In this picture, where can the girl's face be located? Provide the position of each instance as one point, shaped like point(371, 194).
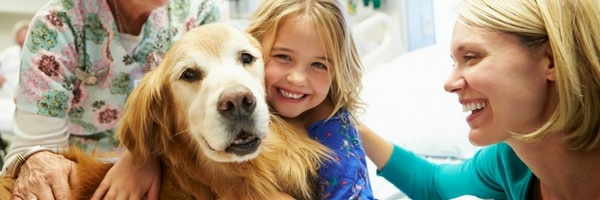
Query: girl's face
point(296, 73)
point(504, 86)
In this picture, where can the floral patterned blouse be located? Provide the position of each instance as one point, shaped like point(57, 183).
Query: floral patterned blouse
point(74, 66)
point(347, 176)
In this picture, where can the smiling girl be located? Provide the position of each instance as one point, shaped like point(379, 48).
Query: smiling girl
point(313, 75)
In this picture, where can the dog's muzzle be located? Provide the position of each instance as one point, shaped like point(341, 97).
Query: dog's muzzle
point(237, 104)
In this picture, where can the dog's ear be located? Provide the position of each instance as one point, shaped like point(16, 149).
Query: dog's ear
point(143, 119)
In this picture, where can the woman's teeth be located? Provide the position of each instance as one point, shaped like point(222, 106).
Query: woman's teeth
point(473, 106)
point(290, 95)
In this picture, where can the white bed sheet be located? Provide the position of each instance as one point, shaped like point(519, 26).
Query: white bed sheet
point(407, 104)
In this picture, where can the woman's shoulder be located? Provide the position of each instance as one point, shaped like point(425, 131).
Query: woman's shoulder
point(500, 159)
point(500, 153)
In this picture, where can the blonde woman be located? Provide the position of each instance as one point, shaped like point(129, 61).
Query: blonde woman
point(529, 73)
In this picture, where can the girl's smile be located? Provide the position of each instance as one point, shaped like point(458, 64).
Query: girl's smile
point(297, 69)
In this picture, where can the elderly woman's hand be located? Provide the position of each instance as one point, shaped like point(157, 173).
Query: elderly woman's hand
point(45, 175)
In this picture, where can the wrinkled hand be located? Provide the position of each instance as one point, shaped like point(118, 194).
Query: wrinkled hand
point(127, 181)
point(44, 175)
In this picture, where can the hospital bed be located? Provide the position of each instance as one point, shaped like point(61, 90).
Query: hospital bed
point(407, 103)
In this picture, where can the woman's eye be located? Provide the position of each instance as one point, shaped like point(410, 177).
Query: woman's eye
point(247, 58)
point(469, 57)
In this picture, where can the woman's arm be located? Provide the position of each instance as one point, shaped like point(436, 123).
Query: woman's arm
point(378, 149)
point(32, 129)
point(421, 179)
point(44, 174)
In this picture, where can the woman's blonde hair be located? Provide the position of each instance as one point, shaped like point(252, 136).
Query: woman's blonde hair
point(571, 28)
point(330, 23)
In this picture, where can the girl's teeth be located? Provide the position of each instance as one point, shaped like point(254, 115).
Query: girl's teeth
point(290, 95)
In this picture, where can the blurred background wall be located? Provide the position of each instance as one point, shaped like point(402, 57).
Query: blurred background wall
point(12, 11)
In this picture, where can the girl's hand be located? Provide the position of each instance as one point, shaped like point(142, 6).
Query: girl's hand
point(127, 181)
point(45, 175)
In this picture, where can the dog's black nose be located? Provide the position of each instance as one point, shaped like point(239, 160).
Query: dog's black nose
point(236, 102)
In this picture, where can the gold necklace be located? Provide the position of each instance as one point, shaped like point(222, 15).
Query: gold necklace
point(119, 21)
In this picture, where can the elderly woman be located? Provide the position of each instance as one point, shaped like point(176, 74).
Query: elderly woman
point(80, 61)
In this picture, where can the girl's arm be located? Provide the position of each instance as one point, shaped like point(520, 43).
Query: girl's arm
point(127, 181)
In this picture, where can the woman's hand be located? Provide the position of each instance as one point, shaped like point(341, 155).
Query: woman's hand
point(45, 175)
point(127, 181)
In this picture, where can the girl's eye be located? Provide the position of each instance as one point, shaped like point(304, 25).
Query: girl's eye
point(319, 65)
point(281, 56)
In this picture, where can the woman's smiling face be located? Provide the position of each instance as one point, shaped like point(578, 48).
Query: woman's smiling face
point(507, 87)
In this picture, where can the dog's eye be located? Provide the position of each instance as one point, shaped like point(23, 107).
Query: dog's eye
point(191, 75)
point(247, 58)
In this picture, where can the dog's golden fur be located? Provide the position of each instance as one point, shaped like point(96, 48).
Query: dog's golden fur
point(159, 122)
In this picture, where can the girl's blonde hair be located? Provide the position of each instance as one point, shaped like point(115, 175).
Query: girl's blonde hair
point(571, 28)
point(328, 19)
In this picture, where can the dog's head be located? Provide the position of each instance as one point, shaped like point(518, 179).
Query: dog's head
point(210, 86)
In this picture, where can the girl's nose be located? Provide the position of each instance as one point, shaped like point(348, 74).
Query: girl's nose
point(455, 82)
point(297, 76)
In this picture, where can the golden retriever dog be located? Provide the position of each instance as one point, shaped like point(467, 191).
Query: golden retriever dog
point(203, 114)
